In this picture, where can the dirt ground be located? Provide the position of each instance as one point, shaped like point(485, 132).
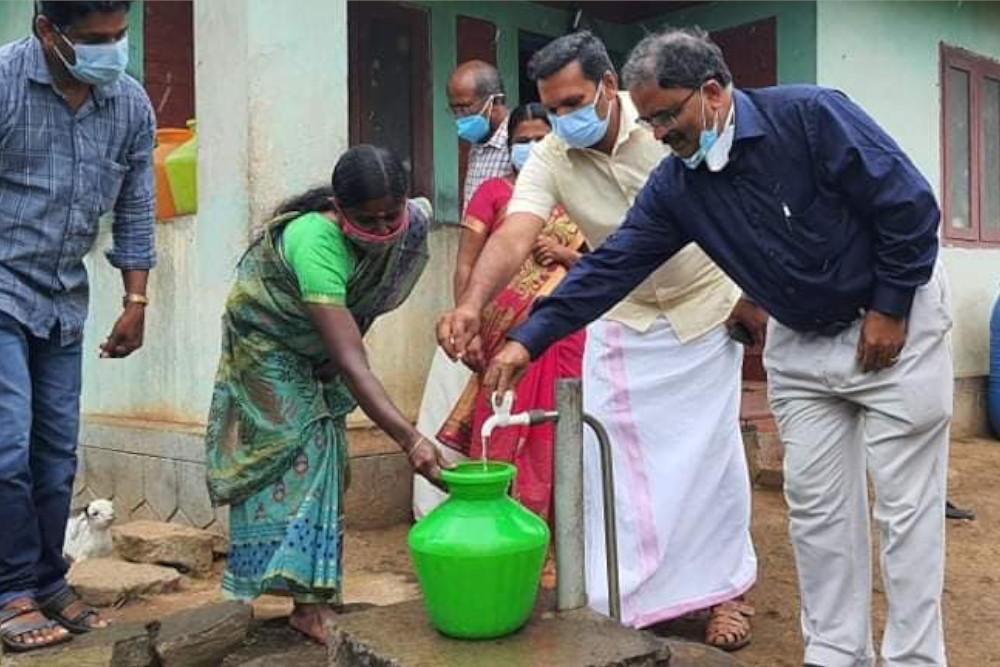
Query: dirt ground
point(378, 571)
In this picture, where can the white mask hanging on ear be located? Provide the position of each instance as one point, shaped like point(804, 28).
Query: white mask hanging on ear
point(717, 156)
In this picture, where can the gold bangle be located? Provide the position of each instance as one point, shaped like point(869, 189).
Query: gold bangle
point(140, 299)
point(409, 453)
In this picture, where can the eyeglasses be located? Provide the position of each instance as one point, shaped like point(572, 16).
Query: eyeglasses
point(667, 117)
point(477, 107)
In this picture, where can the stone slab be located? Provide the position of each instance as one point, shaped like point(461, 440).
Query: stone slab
point(161, 543)
point(765, 456)
point(202, 637)
point(104, 581)
point(273, 643)
point(690, 654)
point(197, 638)
point(401, 636)
point(121, 645)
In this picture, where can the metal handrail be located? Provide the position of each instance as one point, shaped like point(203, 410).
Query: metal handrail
point(610, 525)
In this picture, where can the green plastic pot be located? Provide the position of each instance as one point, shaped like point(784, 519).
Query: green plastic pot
point(479, 555)
point(182, 173)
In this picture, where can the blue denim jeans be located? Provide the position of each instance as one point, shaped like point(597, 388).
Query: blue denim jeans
point(39, 426)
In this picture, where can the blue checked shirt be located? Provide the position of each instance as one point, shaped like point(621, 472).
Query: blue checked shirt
point(60, 171)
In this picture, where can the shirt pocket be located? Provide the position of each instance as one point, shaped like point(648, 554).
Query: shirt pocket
point(101, 183)
point(815, 232)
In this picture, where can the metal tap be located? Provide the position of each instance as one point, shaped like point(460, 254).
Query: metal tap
point(502, 417)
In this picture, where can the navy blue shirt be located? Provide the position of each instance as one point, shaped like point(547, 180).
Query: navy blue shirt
point(818, 216)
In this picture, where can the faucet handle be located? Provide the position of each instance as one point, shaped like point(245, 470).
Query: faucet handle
point(502, 405)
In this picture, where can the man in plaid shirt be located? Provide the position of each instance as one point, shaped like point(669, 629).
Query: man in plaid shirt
point(76, 142)
point(476, 99)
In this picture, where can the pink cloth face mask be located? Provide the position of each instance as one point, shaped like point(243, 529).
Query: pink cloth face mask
point(367, 239)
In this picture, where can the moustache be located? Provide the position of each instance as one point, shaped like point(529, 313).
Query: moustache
point(673, 137)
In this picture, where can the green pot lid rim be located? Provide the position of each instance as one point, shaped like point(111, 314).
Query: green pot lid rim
point(471, 473)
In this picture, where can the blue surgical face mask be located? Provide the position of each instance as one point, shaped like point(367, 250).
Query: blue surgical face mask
point(710, 147)
point(97, 64)
point(475, 128)
point(706, 139)
point(582, 128)
point(519, 154)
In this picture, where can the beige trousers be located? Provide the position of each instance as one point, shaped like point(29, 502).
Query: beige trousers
point(839, 426)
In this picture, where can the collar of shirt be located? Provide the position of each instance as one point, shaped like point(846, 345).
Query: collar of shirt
point(628, 122)
point(499, 138)
point(751, 125)
point(38, 71)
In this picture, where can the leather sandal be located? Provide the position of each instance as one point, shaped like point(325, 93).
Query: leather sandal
point(55, 607)
point(13, 631)
point(729, 626)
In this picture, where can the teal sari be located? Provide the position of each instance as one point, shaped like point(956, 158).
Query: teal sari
point(276, 443)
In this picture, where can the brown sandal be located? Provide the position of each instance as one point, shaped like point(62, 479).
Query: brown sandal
point(729, 626)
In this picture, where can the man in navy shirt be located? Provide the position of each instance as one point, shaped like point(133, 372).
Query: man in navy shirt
point(825, 223)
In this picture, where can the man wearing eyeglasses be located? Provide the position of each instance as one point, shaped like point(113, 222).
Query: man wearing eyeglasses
point(813, 209)
point(476, 101)
point(659, 369)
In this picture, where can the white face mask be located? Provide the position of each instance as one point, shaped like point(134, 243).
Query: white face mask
point(713, 146)
point(717, 156)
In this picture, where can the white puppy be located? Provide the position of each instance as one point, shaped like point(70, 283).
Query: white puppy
point(88, 535)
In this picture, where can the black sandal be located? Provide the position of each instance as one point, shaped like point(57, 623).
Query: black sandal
point(55, 606)
point(953, 511)
point(11, 629)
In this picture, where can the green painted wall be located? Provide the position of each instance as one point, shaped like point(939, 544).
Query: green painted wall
point(796, 30)
point(885, 55)
point(15, 19)
point(509, 18)
point(15, 23)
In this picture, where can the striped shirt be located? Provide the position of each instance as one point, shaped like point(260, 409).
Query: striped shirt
point(60, 171)
point(486, 161)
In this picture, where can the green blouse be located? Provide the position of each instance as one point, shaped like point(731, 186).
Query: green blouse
point(321, 259)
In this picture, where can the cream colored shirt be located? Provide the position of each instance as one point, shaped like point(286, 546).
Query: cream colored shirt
point(689, 290)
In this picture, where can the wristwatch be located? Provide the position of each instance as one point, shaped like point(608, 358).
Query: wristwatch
point(140, 299)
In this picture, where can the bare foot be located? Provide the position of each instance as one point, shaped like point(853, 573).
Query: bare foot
point(311, 619)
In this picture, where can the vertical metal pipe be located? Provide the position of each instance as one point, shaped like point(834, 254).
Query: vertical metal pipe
point(610, 525)
point(571, 592)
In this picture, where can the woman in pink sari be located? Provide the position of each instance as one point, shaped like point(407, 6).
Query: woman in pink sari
point(557, 249)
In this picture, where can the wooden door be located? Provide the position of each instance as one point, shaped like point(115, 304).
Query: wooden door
point(390, 87)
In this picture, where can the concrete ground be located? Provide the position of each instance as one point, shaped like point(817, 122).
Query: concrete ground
point(378, 571)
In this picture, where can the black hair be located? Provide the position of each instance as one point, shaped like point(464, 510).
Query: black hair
point(582, 47)
point(64, 13)
point(677, 58)
point(525, 112)
point(363, 173)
